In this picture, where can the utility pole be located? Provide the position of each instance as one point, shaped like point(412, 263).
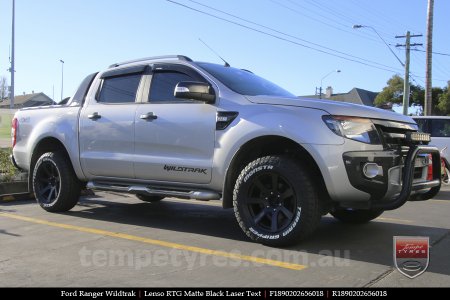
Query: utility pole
point(406, 87)
point(12, 70)
point(428, 84)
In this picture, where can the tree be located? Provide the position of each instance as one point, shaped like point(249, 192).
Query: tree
point(392, 92)
point(444, 100)
point(3, 87)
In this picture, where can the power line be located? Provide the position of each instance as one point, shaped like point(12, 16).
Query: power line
point(333, 12)
point(413, 79)
point(316, 13)
point(375, 12)
point(437, 53)
point(353, 58)
point(423, 77)
point(280, 32)
point(319, 20)
point(436, 65)
point(344, 20)
point(359, 16)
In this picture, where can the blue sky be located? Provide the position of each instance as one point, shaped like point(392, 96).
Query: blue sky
point(89, 35)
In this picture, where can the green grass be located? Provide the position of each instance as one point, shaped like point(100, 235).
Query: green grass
point(7, 170)
point(5, 125)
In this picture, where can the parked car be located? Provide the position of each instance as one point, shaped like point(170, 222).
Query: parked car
point(439, 129)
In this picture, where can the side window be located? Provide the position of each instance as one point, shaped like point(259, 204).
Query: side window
point(120, 89)
point(440, 128)
point(163, 86)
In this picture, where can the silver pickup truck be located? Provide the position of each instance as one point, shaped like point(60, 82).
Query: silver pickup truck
point(171, 127)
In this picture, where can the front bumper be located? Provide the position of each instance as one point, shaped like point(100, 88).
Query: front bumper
point(400, 178)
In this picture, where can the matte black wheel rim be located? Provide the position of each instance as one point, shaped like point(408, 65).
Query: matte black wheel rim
point(270, 203)
point(47, 182)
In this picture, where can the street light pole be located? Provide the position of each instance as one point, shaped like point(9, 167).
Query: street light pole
point(62, 78)
point(11, 94)
point(321, 81)
point(364, 26)
point(406, 88)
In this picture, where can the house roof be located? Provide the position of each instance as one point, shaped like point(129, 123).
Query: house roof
point(355, 95)
point(28, 98)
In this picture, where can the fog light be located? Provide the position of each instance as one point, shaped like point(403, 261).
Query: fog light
point(371, 170)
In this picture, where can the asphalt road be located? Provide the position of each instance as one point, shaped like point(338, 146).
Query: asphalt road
point(115, 240)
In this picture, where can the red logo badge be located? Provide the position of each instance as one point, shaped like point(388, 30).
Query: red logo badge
point(411, 254)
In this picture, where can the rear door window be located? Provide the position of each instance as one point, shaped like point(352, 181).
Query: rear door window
point(119, 89)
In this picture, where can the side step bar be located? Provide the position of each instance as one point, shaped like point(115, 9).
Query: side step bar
point(145, 190)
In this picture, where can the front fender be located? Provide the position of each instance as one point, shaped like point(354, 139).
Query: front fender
point(301, 125)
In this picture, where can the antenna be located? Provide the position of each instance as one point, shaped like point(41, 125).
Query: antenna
point(226, 64)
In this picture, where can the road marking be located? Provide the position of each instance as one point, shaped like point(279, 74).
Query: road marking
point(395, 220)
point(270, 262)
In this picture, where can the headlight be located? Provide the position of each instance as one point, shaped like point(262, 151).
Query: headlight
point(358, 129)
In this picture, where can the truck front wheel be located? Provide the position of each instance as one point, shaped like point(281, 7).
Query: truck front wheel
point(275, 201)
point(356, 216)
point(55, 184)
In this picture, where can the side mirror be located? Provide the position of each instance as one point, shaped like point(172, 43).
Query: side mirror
point(195, 90)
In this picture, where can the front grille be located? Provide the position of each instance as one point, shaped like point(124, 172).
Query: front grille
point(395, 138)
point(394, 135)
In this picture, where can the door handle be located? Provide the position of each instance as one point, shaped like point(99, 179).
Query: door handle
point(148, 116)
point(95, 116)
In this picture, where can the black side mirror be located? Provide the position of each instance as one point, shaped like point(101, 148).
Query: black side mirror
point(195, 90)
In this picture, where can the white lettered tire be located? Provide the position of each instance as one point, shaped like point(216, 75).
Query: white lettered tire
point(275, 201)
point(55, 184)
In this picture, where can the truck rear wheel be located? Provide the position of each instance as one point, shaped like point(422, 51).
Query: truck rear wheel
point(55, 184)
point(275, 201)
point(356, 216)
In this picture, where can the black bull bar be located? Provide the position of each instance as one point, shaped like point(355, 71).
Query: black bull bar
point(408, 176)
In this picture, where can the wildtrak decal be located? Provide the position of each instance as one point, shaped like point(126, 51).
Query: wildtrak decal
point(185, 169)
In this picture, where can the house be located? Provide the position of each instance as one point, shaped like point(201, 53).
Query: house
point(355, 95)
point(28, 100)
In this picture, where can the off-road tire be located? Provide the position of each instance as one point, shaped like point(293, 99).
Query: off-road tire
point(55, 184)
point(276, 202)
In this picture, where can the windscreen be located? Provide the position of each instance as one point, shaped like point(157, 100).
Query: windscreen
point(244, 82)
